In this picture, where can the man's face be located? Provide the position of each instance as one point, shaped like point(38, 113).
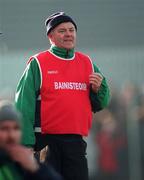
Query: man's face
point(10, 133)
point(63, 35)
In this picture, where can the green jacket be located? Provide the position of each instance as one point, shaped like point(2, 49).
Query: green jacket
point(8, 169)
point(8, 172)
point(11, 170)
point(28, 90)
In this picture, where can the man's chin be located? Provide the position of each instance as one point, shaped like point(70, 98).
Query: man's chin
point(69, 47)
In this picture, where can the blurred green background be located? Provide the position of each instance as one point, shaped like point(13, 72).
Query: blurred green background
point(112, 33)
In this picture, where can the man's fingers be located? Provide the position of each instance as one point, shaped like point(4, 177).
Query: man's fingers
point(95, 78)
point(96, 83)
point(98, 75)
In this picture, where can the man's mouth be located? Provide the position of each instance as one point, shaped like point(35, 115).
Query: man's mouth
point(69, 40)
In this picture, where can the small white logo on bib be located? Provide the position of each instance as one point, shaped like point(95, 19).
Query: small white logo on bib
point(52, 72)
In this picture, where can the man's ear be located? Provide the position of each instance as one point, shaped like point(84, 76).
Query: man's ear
point(50, 35)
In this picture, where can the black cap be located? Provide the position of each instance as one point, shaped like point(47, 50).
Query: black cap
point(56, 19)
point(9, 112)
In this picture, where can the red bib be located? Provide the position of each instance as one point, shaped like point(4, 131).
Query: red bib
point(65, 103)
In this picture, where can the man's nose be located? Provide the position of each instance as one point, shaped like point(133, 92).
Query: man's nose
point(12, 134)
point(68, 33)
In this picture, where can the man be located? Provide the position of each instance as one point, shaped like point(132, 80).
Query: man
point(16, 161)
point(61, 88)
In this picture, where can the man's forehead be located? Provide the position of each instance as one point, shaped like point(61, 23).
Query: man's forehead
point(9, 123)
point(65, 25)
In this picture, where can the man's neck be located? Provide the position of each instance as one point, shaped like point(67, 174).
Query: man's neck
point(61, 52)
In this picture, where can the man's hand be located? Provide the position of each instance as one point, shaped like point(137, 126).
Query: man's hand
point(23, 156)
point(95, 80)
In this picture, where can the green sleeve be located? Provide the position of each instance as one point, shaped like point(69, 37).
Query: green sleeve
point(100, 99)
point(25, 100)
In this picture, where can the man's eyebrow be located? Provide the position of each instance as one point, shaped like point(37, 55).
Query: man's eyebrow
point(71, 28)
point(63, 28)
